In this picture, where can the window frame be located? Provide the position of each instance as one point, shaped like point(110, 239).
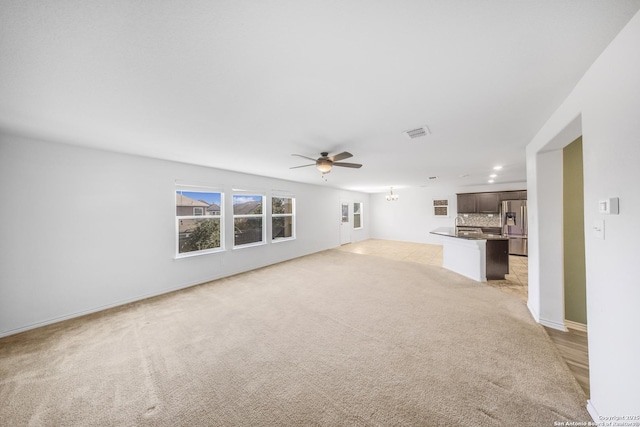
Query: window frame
point(262, 216)
point(359, 214)
point(291, 215)
point(178, 218)
point(440, 205)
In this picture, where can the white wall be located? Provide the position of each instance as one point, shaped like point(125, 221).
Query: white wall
point(605, 106)
point(411, 219)
point(84, 229)
point(545, 222)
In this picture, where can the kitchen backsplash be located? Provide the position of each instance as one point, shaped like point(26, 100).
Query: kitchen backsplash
point(479, 220)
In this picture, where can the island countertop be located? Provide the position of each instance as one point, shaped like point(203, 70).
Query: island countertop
point(451, 232)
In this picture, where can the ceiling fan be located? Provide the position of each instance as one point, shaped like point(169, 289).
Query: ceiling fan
point(324, 163)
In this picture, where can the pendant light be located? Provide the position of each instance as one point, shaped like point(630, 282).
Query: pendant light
point(391, 197)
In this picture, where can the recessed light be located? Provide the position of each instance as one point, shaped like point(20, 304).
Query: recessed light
point(497, 168)
point(490, 181)
point(493, 175)
point(433, 177)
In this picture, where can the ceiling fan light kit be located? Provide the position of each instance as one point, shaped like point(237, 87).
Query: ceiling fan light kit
point(324, 163)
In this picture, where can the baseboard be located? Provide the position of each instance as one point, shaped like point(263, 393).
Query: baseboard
point(592, 411)
point(575, 325)
point(137, 298)
point(141, 297)
point(533, 312)
point(553, 324)
point(97, 309)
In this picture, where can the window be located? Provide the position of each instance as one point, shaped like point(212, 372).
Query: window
point(441, 207)
point(198, 222)
point(345, 212)
point(357, 215)
point(282, 218)
point(248, 219)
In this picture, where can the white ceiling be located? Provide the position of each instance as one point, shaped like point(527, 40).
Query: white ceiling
point(241, 85)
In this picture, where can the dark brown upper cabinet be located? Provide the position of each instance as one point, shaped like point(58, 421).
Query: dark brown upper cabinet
point(467, 203)
point(487, 203)
point(513, 195)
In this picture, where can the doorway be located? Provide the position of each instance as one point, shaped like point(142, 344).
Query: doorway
point(574, 271)
point(552, 254)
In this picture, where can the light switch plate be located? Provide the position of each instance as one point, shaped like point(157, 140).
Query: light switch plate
point(609, 206)
point(598, 229)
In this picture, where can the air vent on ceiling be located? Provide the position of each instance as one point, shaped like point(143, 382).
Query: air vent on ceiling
point(417, 132)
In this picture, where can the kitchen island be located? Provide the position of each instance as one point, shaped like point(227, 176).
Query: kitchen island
point(479, 256)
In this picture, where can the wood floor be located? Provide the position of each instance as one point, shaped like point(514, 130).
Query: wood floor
point(574, 350)
point(572, 345)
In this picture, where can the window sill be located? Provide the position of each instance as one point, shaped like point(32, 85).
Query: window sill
point(197, 254)
point(249, 245)
point(283, 239)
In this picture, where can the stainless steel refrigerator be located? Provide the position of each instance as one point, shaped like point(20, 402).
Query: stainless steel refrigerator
point(514, 225)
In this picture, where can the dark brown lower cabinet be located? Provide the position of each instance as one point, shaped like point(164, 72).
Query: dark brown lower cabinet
point(497, 259)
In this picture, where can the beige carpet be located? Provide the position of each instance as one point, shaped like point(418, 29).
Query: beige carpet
point(516, 283)
point(330, 339)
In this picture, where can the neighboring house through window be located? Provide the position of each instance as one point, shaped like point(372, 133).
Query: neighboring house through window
point(198, 222)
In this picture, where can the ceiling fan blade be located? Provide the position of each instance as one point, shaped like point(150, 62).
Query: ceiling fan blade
point(341, 156)
point(303, 166)
point(348, 165)
point(304, 157)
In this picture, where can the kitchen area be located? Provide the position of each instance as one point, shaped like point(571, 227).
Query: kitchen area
point(489, 228)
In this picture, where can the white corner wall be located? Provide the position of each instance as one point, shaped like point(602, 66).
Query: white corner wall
point(545, 222)
point(83, 230)
point(605, 108)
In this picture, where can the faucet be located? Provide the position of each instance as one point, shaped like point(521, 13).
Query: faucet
point(459, 218)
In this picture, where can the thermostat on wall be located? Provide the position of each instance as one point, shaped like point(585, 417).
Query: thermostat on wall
point(608, 206)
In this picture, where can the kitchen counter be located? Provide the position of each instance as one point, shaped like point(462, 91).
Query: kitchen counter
point(474, 255)
point(451, 232)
